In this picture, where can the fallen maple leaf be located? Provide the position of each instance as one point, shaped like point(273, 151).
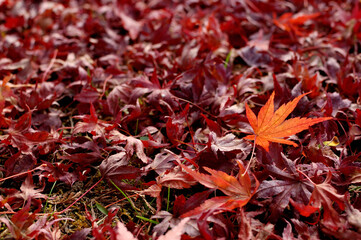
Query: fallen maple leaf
point(90, 123)
point(270, 126)
point(132, 145)
point(324, 195)
point(238, 189)
point(176, 232)
point(122, 233)
point(289, 22)
point(29, 191)
point(24, 224)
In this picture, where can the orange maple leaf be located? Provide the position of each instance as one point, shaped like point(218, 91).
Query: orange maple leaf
point(270, 126)
point(289, 22)
point(238, 190)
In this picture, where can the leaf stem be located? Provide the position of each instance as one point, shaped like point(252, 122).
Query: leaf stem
point(250, 161)
point(134, 195)
point(307, 177)
point(105, 85)
point(50, 66)
point(193, 104)
point(22, 173)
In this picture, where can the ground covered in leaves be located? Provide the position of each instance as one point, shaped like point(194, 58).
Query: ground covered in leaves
point(180, 119)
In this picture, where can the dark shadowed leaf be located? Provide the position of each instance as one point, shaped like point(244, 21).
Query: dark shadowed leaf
point(115, 168)
point(324, 195)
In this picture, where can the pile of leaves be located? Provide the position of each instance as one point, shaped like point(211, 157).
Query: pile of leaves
point(192, 119)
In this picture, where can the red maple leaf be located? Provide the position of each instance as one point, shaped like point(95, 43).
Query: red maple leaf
point(323, 196)
point(90, 123)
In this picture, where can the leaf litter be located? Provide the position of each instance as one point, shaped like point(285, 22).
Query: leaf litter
point(135, 119)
